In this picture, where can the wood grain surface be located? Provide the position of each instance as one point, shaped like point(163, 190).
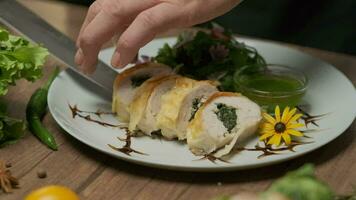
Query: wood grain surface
point(94, 175)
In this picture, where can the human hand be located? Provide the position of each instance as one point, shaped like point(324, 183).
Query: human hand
point(137, 22)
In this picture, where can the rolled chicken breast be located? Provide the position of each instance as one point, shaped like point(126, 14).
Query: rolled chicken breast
point(223, 120)
point(176, 109)
point(152, 96)
point(147, 103)
point(192, 101)
point(127, 83)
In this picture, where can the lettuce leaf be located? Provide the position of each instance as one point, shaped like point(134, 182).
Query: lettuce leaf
point(19, 59)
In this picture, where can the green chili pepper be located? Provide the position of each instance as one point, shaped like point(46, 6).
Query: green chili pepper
point(35, 111)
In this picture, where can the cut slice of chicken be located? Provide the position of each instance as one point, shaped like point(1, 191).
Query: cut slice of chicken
point(171, 103)
point(192, 101)
point(148, 121)
point(127, 82)
point(224, 119)
point(171, 119)
point(143, 102)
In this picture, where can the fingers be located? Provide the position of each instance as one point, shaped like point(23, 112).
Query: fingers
point(112, 19)
point(94, 9)
point(97, 32)
point(144, 28)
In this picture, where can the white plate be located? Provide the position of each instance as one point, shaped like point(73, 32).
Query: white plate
point(329, 92)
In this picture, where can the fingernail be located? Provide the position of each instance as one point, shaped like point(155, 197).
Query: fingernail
point(116, 61)
point(79, 57)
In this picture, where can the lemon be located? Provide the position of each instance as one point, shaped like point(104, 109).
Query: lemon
point(52, 192)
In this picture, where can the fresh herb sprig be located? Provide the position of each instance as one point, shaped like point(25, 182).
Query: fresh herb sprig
point(213, 54)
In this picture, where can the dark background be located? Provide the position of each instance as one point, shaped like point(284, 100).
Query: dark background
point(324, 24)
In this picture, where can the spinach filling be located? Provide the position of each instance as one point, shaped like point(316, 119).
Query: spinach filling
point(136, 81)
point(195, 106)
point(227, 115)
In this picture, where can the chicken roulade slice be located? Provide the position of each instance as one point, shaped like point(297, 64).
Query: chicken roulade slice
point(191, 103)
point(177, 103)
point(147, 103)
point(224, 119)
point(127, 82)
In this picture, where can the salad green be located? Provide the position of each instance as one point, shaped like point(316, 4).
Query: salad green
point(19, 59)
point(213, 54)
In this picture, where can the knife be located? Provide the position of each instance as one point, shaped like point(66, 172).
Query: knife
point(16, 16)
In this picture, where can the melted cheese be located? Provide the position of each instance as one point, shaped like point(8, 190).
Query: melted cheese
point(139, 104)
point(195, 127)
point(171, 104)
point(121, 110)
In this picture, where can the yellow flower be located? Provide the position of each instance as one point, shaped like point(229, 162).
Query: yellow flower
point(280, 129)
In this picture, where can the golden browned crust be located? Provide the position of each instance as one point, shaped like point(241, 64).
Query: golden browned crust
point(139, 103)
point(220, 94)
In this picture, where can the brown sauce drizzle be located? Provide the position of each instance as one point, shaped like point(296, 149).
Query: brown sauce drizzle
point(126, 149)
point(310, 119)
point(268, 150)
point(212, 158)
point(76, 112)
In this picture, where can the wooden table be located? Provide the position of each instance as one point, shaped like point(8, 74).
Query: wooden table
point(94, 175)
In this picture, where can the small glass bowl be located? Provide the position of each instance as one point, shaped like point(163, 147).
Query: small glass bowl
point(272, 85)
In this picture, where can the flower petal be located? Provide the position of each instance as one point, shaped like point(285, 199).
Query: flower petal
point(266, 135)
point(267, 126)
point(295, 125)
point(269, 118)
point(290, 114)
point(294, 132)
point(277, 113)
point(285, 115)
point(295, 118)
point(286, 138)
point(276, 140)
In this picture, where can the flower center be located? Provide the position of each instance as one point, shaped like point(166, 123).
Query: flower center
point(280, 127)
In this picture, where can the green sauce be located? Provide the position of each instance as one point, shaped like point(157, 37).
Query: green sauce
point(273, 83)
point(277, 90)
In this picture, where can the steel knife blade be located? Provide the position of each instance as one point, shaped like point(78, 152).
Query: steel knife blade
point(21, 19)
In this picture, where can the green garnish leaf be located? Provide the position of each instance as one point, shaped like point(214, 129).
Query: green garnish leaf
point(11, 130)
point(214, 55)
point(227, 115)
